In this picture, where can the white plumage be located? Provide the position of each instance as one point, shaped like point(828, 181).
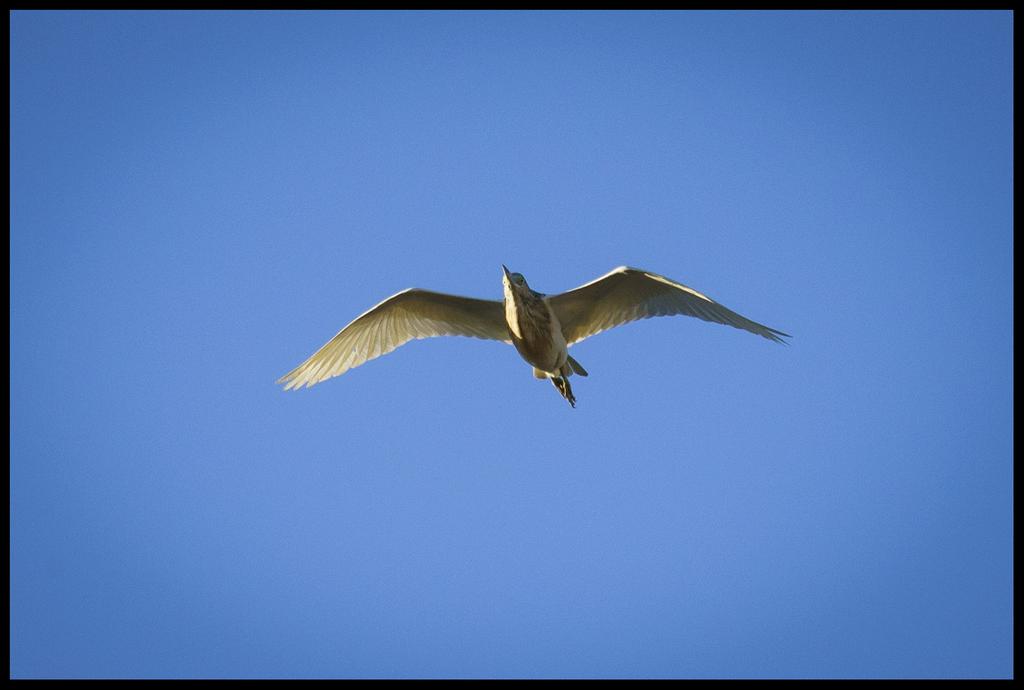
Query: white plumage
point(622, 295)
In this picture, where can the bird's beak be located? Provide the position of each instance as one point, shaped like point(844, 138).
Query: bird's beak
point(505, 269)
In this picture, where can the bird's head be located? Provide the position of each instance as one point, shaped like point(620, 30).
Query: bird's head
point(515, 285)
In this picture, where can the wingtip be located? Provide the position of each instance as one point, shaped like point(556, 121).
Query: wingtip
point(288, 381)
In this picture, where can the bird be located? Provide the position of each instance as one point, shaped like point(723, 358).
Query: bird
point(541, 327)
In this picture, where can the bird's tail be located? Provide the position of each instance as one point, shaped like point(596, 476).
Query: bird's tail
point(570, 367)
point(576, 366)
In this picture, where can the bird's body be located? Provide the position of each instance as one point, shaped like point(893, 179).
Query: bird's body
point(540, 341)
point(537, 334)
point(540, 327)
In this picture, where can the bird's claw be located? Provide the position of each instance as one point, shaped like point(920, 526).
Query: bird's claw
point(563, 387)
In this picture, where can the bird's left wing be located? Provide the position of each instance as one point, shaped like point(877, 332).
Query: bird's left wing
point(408, 315)
point(627, 294)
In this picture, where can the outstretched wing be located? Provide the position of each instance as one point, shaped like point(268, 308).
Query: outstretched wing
point(627, 294)
point(411, 314)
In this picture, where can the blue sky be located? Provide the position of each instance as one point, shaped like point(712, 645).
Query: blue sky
point(200, 200)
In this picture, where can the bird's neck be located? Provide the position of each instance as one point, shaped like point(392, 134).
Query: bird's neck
point(528, 316)
point(512, 313)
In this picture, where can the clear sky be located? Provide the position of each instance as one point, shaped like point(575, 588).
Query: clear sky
point(200, 200)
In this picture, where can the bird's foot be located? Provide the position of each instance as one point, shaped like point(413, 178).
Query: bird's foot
point(562, 384)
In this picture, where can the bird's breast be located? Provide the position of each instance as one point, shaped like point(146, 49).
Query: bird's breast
point(536, 334)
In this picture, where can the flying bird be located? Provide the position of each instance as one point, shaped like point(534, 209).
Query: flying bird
point(541, 327)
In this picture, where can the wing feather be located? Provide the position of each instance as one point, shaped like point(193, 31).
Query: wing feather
point(408, 315)
point(627, 294)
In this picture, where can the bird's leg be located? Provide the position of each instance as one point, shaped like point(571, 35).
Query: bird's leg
point(562, 384)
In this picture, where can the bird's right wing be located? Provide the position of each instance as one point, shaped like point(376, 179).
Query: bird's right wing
point(408, 315)
point(627, 294)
